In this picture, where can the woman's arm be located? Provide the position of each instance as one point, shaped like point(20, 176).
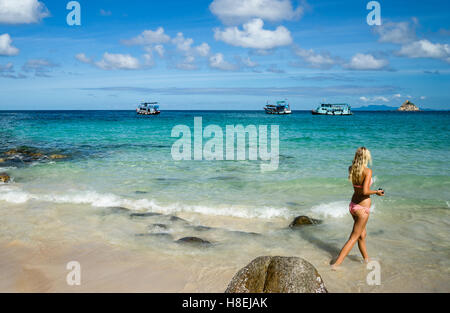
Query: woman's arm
point(366, 185)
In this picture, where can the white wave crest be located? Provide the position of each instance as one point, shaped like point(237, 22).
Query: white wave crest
point(95, 199)
point(336, 209)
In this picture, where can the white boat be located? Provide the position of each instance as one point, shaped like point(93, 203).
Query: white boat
point(148, 108)
point(281, 108)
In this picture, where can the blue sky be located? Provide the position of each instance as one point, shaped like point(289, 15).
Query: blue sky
point(222, 54)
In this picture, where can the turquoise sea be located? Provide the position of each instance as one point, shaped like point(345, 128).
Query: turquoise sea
point(115, 159)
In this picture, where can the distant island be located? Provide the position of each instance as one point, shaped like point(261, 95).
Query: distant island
point(375, 108)
point(408, 106)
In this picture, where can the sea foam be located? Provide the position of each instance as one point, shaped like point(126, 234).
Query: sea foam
point(95, 199)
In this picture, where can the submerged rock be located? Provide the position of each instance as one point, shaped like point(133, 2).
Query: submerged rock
point(193, 241)
point(158, 226)
point(244, 233)
point(174, 218)
point(57, 156)
point(2, 160)
point(147, 214)
point(117, 210)
point(164, 236)
point(303, 220)
point(4, 178)
point(199, 227)
point(276, 274)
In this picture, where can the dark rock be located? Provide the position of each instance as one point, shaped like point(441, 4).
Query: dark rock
point(244, 233)
point(138, 192)
point(117, 209)
point(4, 178)
point(303, 220)
point(276, 274)
point(174, 218)
point(146, 214)
point(162, 226)
point(200, 228)
point(193, 241)
point(164, 236)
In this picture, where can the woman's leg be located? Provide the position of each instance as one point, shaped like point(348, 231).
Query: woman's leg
point(362, 245)
point(358, 228)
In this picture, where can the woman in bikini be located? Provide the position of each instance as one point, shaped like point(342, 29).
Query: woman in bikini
point(361, 177)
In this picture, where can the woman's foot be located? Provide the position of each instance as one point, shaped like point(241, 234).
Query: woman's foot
point(367, 260)
point(334, 267)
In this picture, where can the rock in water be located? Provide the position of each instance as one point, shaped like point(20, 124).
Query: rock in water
point(408, 106)
point(303, 220)
point(194, 241)
point(276, 274)
point(4, 178)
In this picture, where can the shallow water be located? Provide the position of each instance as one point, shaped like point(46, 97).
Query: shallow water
point(115, 159)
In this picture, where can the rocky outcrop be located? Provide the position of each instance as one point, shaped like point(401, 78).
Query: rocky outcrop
point(4, 178)
point(30, 154)
point(303, 220)
point(276, 274)
point(408, 106)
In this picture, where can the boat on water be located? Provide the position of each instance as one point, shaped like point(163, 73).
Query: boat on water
point(280, 108)
point(333, 109)
point(148, 108)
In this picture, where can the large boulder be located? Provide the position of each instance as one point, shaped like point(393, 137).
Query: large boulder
point(276, 274)
point(4, 178)
point(303, 220)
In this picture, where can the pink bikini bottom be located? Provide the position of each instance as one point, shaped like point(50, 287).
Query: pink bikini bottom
point(355, 207)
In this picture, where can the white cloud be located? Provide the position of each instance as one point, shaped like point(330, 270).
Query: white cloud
point(188, 63)
point(40, 67)
point(236, 11)
point(364, 99)
point(22, 11)
point(426, 49)
point(160, 50)
point(149, 37)
point(182, 44)
point(7, 71)
point(381, 98)
point(254, 36)
point(203, 50)
point(398, 33)
point(118, 61)
point(218, 61)
point(83, 58)
point(314, 59)
point(397, 95)
point(366, 62)
point(248, 63)
point(5, 46)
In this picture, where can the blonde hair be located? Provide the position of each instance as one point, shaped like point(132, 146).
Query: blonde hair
point(362, 158)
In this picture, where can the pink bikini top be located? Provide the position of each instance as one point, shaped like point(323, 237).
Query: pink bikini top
point(358, 186)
